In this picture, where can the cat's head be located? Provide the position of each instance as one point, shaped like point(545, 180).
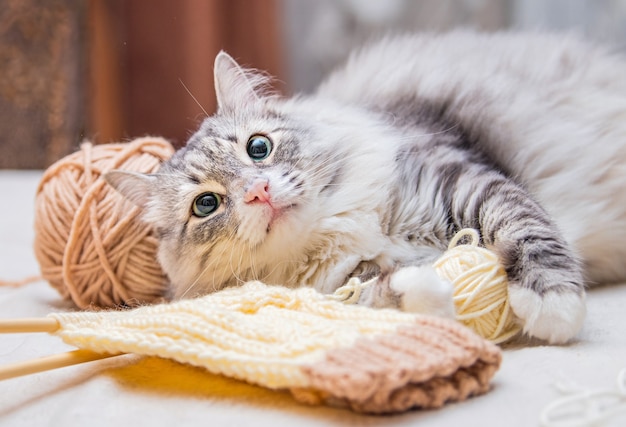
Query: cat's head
point(246, 197)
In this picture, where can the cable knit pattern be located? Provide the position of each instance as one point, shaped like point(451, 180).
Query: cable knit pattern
point(376, 361)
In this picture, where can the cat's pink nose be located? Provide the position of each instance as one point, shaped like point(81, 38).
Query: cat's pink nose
point(258, 191)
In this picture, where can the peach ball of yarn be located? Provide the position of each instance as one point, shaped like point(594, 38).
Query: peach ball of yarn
point(90, 243)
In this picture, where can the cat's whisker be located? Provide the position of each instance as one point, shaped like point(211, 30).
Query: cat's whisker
point(244, 266)
point(338, 184)
point(326, 171)
point(195, 282)
point(216, 285)
point(411, 137)
point(310, 161)
point(193, 97)
point(253, 274)
point(200, 275)
point(229, 271)
point(253, 262)
point(209, 265)
point(276, 267)
point(236, 273)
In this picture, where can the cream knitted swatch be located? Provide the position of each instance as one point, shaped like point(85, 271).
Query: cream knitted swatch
point(377, 361)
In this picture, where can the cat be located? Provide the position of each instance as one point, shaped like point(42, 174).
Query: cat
point(520, 136)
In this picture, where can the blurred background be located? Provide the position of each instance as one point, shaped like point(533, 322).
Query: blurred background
point(111, 70)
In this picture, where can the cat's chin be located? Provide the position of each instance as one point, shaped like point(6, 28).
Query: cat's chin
point(268, 222)
point(278, 216)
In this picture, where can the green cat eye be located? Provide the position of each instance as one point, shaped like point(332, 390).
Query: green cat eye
point(205, 204)
point(259, 147)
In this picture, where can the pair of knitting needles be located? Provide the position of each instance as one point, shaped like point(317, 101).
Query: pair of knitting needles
point(48, 325)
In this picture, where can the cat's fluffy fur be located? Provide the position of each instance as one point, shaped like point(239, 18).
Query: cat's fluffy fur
point(522, 136)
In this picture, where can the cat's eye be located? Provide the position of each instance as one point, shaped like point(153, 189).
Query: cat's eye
point(259, 147)
point(205, 204)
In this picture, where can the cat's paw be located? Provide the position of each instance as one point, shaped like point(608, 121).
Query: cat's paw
point(556, 316)
point(422, 291)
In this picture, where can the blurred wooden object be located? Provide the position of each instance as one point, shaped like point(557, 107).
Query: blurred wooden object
point(107, 84)
point(109, 70)
point(146, 53)
point(41, 81)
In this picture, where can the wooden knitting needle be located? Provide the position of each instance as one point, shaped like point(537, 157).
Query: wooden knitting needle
point(42, 324)
point(50, 362)
point(46, 363)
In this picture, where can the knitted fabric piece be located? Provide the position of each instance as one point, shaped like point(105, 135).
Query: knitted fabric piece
point(376, 361)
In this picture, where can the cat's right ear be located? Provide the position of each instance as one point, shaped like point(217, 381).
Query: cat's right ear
point(134, 186)
point(235, 87)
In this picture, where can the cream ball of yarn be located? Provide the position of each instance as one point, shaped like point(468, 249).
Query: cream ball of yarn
point(480, 285)
point(90, 243)
point(480, 288)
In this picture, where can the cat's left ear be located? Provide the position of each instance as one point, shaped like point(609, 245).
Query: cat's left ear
point(136, 187)
point(234, 86)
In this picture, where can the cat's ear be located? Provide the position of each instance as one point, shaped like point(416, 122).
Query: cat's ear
point(235, 87)
point(134, 186)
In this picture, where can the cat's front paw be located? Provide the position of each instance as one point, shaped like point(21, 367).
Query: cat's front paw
point(555, 316)
point(421, 290)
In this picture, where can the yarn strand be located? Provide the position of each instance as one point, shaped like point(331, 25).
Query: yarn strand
point(19, 283)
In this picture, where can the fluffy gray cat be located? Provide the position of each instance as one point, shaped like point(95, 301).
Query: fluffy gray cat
point(521, 136)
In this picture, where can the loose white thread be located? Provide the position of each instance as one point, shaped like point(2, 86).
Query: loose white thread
point(351, 291)
point(584, 408)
